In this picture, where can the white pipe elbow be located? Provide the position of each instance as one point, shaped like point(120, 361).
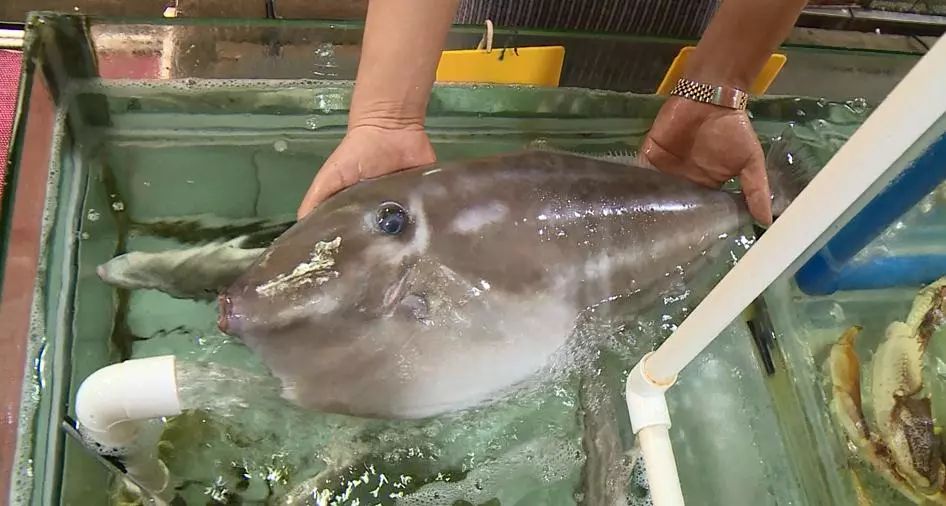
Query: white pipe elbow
point(646, 402)
point(650, 421)
point(114, 402)
point(133, 390)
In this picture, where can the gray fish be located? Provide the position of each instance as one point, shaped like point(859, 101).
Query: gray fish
point(443, 287)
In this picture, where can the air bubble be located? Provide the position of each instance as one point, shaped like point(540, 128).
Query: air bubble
point(858, 105)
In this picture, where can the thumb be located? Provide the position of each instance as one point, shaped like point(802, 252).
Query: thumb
point(755, 188)
point(642, 158)
point(333, 177)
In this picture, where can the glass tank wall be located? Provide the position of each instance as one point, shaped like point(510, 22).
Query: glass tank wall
point(153, 136)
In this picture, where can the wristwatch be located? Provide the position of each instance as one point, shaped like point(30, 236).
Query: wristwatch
point(724, 96)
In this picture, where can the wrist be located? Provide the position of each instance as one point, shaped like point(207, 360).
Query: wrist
point(719, 64)
point(387, 115)
point(722, 96)
point(688, 115)
point(719, 74)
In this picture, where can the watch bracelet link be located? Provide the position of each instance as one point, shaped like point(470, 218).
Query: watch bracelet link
point(723, 96)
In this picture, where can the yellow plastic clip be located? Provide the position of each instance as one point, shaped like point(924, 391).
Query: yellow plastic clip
point(762, 82)
point(537, 65)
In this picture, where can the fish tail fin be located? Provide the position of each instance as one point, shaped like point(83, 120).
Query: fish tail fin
point(790, 165)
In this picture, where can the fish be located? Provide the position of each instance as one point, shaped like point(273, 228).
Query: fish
point(443, 287)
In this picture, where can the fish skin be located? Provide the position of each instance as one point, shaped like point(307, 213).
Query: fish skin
point(482, 289)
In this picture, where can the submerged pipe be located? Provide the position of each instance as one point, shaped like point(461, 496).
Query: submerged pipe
point(114, 404)
point(650, 421)
point(894, 135)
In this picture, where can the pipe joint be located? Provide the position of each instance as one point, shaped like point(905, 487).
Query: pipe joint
point(646, 400)
point(114, 403)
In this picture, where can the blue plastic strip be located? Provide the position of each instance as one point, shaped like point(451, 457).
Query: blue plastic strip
point(827, 271)
point(886, 272)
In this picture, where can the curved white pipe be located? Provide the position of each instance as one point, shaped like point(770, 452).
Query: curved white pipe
point(877, 152)
point(113, 404)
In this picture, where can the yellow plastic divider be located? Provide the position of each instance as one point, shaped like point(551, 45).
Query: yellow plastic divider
point(538, 65)
point(762, 82)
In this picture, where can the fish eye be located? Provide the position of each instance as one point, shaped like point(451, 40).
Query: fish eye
point(392, 218)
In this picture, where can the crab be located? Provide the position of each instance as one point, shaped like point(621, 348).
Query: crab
point(901, 441)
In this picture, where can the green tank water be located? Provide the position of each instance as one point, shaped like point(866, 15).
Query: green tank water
point(169, 170)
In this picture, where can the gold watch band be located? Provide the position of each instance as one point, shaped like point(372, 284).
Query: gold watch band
point(724, 96)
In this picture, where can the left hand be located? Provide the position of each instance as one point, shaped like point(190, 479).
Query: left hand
point(710, 145)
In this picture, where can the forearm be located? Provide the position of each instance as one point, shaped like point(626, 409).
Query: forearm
point(740, 39)
point(400, 51)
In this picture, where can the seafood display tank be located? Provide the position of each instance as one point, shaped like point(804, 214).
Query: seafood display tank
point(155, 135)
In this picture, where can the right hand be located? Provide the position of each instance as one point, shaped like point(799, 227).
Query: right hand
point(709, 145)
point(366, 152)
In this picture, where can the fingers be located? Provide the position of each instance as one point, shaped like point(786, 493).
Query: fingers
point(653, 156)
point(755, 188)
point(367, 152)
point(334, 176)
point(315, 195)
point(644, 156)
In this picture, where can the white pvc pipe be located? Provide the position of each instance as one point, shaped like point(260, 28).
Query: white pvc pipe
point(650, 420)
point(113, 404)
point(899, 121)
point(661, 466)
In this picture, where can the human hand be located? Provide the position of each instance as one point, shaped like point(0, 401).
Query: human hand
point(366, 152)
point(709, 145)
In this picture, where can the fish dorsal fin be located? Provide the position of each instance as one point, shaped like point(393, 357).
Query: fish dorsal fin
point(623, 156)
